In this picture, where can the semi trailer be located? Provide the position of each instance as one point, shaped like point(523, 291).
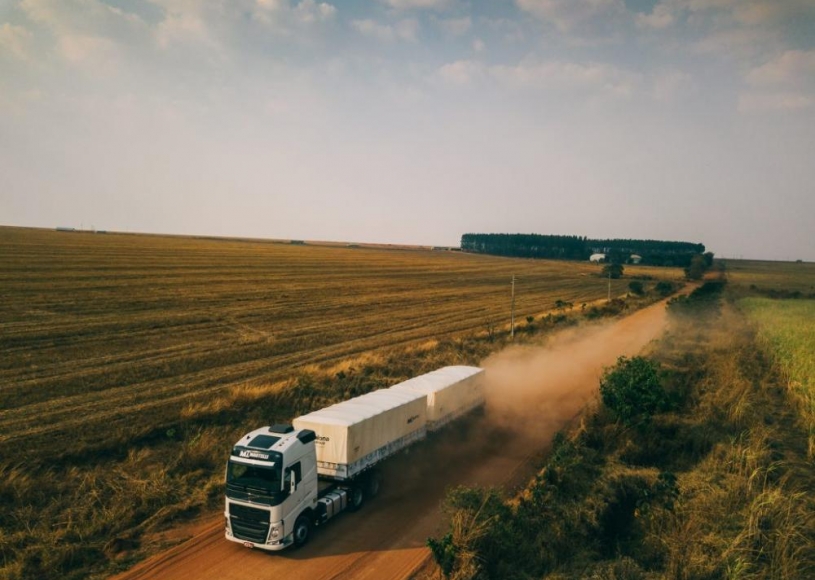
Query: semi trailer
point(283, 480)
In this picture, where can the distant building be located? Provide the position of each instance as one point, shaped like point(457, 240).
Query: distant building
point(635, 259)
point(597, 258)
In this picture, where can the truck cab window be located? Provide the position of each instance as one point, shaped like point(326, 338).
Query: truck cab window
point(297, 473)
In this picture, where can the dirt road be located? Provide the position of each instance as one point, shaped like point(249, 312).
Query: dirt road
point(532, 393)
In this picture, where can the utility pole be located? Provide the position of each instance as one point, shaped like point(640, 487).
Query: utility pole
point(512, 312)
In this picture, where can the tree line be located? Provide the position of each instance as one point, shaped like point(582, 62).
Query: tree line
point(651, 252)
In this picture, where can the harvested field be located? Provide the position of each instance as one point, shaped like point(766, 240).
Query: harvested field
point(117, 333)
point(766, 276)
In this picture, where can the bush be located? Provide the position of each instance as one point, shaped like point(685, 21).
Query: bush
point(664, 288)
point(633, 390)
point(636, 287)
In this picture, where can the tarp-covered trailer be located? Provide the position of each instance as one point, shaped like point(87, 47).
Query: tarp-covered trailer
point(283, 480)
point(451, 392)
point(356, 434)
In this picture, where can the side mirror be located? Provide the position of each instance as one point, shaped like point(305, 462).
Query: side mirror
point(292, 482)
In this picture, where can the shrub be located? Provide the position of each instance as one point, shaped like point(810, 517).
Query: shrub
point(633, 390)
point(636, 287)
point(664, 288)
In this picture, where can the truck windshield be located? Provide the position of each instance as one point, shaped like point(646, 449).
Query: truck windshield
point(265, 479)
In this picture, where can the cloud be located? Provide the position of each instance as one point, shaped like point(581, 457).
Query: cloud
point(84, 33)
point(579, 17)
point(759, 12)
point(85, 17)
point(15, 40)
point(309, 11)
point(410, 4)
point(560, 75)
point(221, 24)
point(283, 15)
point(549, 76)
point(406, 29)
point(462, 72)
point(662, 16)
point(478, 45)
point(183, 27)
point(733, 42)
point(455, 26)
point(674, 85)
point(793, 67)
point(99, 54)
point(784, 83)
point(774, 102)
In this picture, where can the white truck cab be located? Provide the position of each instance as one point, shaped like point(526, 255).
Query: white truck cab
point(271, 488)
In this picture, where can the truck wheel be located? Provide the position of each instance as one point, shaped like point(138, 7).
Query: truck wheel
point(356, 497)
point(372, 484)
point(302, 530)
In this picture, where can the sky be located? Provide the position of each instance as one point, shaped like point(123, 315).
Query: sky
point(414, 121)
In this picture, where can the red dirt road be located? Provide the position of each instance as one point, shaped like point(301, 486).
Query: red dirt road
point(533, 392)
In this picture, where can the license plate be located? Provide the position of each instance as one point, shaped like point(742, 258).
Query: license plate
point(249, 544)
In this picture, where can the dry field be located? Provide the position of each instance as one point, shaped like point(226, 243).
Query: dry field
point(772, 276)
point(116, 333)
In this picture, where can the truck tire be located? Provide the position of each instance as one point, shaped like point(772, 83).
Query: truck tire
point(372, 484)
point(356, 497)
point(302, 530)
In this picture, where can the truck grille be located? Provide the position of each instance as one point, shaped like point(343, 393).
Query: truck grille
point(249, 524)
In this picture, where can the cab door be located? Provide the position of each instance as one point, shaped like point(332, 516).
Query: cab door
point(297, 496)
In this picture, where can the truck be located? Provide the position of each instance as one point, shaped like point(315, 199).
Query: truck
point(284, 480)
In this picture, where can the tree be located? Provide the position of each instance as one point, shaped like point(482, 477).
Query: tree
point(633, 391)
point(697, 268)
point(613, 270)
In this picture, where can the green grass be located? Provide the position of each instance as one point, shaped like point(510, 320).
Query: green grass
point(787, 329)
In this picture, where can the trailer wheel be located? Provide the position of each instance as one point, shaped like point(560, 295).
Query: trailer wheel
point(372, 484)
point(302, 530)
point(356, 497)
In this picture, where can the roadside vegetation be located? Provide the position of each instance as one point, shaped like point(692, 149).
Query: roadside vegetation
point(132, 363)
point(703, 474)
point(786, 330)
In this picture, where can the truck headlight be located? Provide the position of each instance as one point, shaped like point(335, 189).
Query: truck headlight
point(276, 531)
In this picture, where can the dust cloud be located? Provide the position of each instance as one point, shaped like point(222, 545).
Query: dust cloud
point(535, 390)
point(532, 392)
